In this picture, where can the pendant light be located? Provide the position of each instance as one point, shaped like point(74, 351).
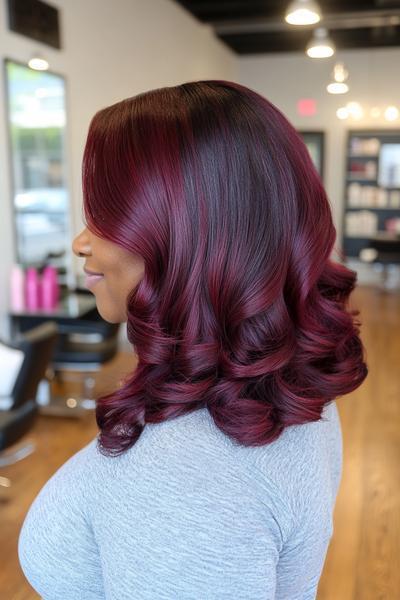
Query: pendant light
point(303, 12)
point(320, 45)
point(38, 63)
point(338, 84)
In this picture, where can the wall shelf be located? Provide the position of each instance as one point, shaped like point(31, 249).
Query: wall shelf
point(363, 194)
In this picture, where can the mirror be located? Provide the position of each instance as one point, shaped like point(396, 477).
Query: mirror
point(314, 140)
point(37, 128)
point(389, 165)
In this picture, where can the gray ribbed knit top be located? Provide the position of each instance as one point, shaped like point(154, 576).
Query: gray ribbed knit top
point(186, 514)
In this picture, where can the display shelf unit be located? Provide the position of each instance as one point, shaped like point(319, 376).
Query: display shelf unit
point(372, 186)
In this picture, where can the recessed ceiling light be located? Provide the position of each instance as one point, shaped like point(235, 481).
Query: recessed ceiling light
point(342, 113)
point(355, 110)
point(391, 113)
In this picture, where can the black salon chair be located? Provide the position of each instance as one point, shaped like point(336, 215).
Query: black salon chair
point(20, 409)
point(83, 348)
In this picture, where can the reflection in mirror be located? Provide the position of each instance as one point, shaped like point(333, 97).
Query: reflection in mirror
point(389, 165)
point(37, 117)
point(314, 140)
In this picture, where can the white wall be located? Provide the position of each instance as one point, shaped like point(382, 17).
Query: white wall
point(111, 50)
point(373, 81)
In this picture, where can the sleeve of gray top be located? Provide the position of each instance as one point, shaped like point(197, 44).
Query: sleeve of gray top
point(56, 547)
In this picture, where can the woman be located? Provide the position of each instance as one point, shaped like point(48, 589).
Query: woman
point(217, 465)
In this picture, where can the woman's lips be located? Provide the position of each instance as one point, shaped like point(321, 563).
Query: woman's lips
point(92, 278)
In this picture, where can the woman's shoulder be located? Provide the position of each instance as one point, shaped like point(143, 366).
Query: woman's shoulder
point(302, 453)
point(83, 460)
point(77, 473)
point(305, 462)
point(310, 445)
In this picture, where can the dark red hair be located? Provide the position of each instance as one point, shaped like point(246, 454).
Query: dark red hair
point(241, 309)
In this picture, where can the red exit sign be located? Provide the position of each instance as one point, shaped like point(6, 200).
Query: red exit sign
point(306, 107)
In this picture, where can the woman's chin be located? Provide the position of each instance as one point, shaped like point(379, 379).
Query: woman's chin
point(110, 314)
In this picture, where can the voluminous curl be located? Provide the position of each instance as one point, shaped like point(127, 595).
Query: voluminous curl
point(241, 308)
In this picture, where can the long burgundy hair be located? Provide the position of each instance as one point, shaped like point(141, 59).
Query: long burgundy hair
point(241, 309)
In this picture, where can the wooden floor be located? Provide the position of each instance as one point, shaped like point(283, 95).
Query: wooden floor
point(363, 558)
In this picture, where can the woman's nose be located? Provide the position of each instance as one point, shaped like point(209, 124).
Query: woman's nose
point(81, 244)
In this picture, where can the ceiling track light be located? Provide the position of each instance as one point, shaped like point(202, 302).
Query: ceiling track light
point(320, 45)
point(303, 12)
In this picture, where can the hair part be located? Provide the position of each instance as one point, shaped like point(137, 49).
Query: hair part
point(241, 309)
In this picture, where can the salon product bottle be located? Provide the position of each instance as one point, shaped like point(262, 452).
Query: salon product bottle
point(57, 287)
point(50, 288)
point(17, 288)
point(32, 289)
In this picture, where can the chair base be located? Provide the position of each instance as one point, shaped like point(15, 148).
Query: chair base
point(16, 452)
point(5, 482)
point(75, 405)
point(13, 454)
point(67, 407)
